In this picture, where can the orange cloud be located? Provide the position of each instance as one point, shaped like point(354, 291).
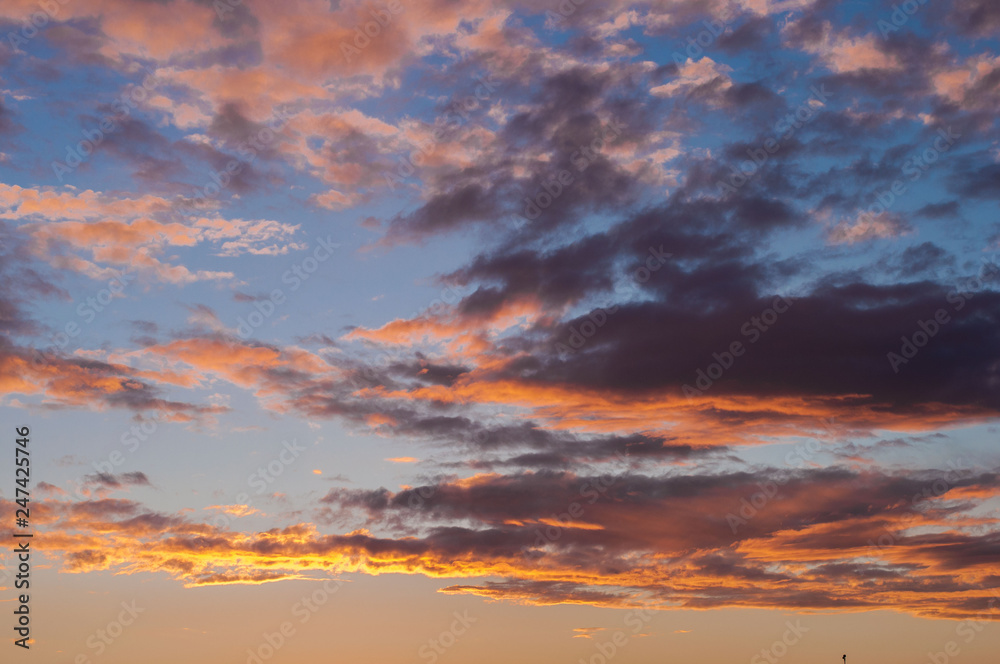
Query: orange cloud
point(845, 54)
point(121, 232)
point(68, 381)
point(800, 554)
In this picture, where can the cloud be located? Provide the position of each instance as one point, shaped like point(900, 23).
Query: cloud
point(586, 632)
point(868, 227)
point(8, 123)
point(703, 77)
point(909, 535)
point(841, 52)
point(976, 17)
point(113, 481)
point(98, 234)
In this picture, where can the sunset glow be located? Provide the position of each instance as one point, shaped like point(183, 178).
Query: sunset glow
point(421, 331)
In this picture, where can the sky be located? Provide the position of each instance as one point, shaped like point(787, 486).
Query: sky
point(563, 331)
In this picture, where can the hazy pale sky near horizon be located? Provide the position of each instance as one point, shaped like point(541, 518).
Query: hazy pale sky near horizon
point(426, 331)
